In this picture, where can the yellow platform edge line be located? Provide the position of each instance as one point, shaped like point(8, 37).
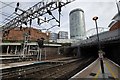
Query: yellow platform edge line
point(98, 72)
point(110, 69)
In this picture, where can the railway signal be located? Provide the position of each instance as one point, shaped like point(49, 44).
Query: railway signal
point(40, 46)
point(40, 42)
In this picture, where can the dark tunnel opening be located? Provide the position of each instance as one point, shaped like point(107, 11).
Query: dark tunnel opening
point(112, 51)
point(82, 51)
point(91, 51)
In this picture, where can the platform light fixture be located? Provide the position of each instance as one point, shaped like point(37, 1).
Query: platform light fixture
point(100, 52)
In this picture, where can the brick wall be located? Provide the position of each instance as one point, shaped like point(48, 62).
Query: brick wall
point(17, 34)
point(115, 26)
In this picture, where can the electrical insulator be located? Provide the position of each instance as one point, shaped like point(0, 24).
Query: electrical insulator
point(38, 21)
point(21, 27)
point(49, 12)
point(17, 4)
point(30, 22)
point(16, 9)
point(59, 7)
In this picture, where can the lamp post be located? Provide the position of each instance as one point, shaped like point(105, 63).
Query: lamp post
point(100, 52)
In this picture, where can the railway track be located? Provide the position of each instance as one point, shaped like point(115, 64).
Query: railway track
point(48, 70)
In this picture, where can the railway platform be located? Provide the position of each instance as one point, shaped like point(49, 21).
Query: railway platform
point(93, 71)
point(25, 63)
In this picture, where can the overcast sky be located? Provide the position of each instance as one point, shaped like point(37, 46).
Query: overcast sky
point(104, 9)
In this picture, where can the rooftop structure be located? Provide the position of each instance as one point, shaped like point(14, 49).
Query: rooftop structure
point(63, 35)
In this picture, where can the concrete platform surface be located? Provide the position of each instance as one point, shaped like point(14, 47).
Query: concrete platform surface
point(112, 71)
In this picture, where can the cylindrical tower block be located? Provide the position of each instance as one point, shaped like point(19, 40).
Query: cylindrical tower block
point(77, 24)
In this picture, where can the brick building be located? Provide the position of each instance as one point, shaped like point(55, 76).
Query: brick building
point(18, 35)
point(115, 26)
point(14, 47)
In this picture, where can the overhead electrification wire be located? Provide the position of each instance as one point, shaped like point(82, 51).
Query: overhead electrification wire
point(8, 17)
point(6, 5)
point(5, 15)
